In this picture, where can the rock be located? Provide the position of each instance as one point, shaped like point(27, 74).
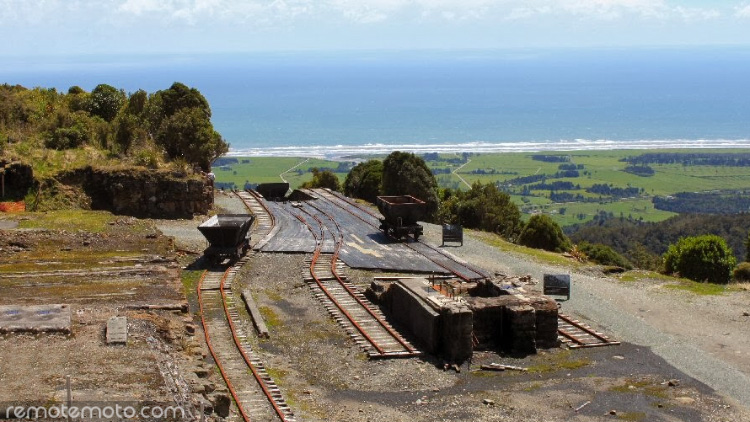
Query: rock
point(746, 313)
point(684, 400)
point(221, 403)
point(618, 357)
point(190, 329)
point(673, 383)
point(208, 387)
point(488, 402)
point(613, 412)
point(202, 372)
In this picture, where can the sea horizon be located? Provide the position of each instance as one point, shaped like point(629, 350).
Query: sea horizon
point(331, 104)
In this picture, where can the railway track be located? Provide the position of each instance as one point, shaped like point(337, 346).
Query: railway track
point(265, 224)
point(255, 393)
point(365, 324)
point(459, 268)
point(575, 334)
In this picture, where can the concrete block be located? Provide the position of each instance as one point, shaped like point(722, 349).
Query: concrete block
point(35, 318)
point(117, 330)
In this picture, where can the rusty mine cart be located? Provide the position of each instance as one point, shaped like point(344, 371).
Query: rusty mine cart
point(227, 236)
point(401, 214)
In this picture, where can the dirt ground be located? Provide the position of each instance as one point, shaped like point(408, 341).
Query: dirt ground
point(322, 373)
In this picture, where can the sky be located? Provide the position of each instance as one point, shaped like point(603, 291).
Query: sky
point(75, 27)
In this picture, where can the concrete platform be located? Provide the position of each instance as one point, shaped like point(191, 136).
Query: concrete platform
point(117, 330)
point(35, 318)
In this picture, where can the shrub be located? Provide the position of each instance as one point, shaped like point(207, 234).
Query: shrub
point(323, 179)
point(701, 258)
point(604, 255)
point(742, 272)
point(542, 232)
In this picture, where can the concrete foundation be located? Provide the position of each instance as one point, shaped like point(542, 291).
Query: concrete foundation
point(37, 318)
point(490, 317)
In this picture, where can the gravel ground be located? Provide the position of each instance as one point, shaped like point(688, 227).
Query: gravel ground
point(325, 377)
point(707, 337)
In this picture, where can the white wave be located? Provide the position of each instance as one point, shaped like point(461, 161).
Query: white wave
point(338, 151)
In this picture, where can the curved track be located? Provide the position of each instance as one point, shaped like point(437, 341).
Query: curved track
point(256, 395)
point(451, 264)
point(346, 304)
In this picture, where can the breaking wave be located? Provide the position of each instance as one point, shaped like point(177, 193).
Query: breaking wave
point(340, 151)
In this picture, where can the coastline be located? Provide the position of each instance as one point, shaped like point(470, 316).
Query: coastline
point(333, 152)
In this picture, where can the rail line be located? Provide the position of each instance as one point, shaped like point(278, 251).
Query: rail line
point(365, 324)
point(265, 222)
point(255, 393)
point(371, 219)
point(575, 334)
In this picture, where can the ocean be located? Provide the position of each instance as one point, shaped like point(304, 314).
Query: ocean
point(337, 103)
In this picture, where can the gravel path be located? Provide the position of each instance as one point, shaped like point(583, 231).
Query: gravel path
point(707, 337)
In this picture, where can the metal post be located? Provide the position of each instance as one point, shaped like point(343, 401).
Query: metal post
point(69, 394)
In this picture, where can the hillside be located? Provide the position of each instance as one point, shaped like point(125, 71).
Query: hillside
point(96, 149)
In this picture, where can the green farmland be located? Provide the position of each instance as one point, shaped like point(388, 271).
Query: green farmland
point(631, 196)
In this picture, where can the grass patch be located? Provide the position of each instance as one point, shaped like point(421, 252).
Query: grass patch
point(269, 317)
point(70, 220)
point(643, 275)
point(274, 295)
point(739, 287)
point(632, 416)
point(190, 280)
point(645, 387)
point(702, 289)
point(537, 254)
point(558, 361)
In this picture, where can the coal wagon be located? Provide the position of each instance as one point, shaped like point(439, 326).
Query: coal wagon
point(273, 191)
point(227, 236)
point(401, 214)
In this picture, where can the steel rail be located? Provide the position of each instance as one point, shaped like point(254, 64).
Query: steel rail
point(362, 303)
point(224, 375)
point(252, 367)
point(452, 271)
point(316, 255)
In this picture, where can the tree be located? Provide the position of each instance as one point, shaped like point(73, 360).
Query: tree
point(483, 207)
point(181, 118)
point(188, 134)
point(701, 258)
point(407, 174)
point(747, 248)
point(323, 179)
point(105, 101)
point(364, 180)
point(542, 232)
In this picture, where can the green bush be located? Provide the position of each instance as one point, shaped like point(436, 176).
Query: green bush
point(363, 181)
point(742, 272)
point(701, 258)
point(542, 232)
point(604, 255)
point(323, 179)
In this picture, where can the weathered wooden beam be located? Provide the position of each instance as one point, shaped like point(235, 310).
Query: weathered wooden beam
point(252, 309)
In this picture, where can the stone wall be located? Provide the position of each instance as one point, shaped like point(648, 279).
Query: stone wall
point(141, 192)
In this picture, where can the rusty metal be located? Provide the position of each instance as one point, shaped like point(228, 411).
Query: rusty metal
point(370, 222)
point(576, 334)
point(409, 350)
point(259, 375)
point(401, 214)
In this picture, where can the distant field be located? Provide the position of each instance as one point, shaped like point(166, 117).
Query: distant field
point(594, 167)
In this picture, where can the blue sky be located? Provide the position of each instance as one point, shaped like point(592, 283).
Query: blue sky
point(68, 27)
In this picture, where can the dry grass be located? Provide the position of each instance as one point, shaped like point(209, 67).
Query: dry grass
point(743, 287)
